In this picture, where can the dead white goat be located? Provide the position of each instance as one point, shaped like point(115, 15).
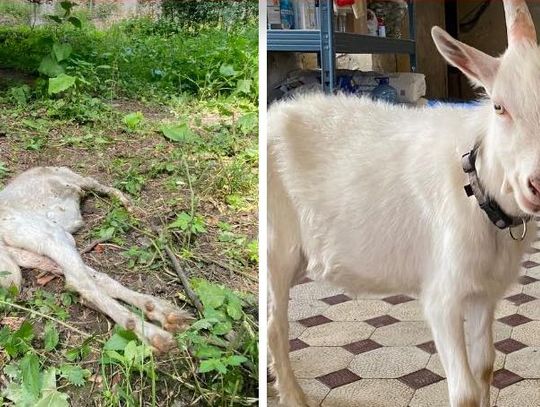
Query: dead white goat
point(370, 196)
point(39, 211)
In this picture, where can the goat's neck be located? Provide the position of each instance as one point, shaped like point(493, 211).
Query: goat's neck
point(491, 172)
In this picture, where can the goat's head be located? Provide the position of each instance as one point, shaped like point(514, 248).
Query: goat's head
point(512, 84)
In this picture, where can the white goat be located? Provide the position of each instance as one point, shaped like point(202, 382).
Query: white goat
point(39, 210)
point(370, 196)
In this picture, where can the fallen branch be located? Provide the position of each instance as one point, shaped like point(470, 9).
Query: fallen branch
point(93, 244)
point(183, 278)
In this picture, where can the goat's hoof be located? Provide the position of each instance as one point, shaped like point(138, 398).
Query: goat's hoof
point(177, 321)
point(162, 343)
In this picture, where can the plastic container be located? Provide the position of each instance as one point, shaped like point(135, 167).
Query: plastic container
point(273, 14)
point(341, 20)
point(383, 91)
point(287, 14)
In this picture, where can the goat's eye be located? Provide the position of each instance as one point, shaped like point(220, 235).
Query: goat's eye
point(499, 109)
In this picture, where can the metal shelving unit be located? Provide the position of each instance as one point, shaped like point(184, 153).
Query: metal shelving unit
point(326, 42)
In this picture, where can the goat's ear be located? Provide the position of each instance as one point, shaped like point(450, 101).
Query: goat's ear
point(480, 68)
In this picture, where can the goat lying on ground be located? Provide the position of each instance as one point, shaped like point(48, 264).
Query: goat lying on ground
point(370, 196)
point(39, 210)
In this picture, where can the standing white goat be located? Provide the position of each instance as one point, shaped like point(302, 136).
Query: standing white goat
point(39, 209)
point(370, 196)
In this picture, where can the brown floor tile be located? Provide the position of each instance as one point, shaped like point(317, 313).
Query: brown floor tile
point(398, 299)
point(514, 320)
point(336, 299)
point(503, 378)
point(428, 347)
point(339, 378)
point(509, 345)
point(297, 344)
point(420, 378)
point(524, 280)
point(521, 298)
point(314, 321)
point(529, 264)
point(359, 347)
point(382, 321)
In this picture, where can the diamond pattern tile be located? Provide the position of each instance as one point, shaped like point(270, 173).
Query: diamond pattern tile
point(420, 378)
point(503, 378)
point(428, 347)
point(525, 280)
point(509, 345)
point(397, 299)
point(521, 298)
point(314, 321)
point(384, 320)
point(297, 344)
point(359, 347)
point(529, 264)
point(514, 320)
point(336, 299)
point(369, 350)
point(339, 378)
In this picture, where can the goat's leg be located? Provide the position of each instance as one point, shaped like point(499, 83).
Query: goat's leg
point(479, 325)
point(282, 272)
point(10, 273)
point(171, 318)
point(445, 316)
point(38, 235)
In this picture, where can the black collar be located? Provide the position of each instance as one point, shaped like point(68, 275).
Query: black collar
point(492, 209)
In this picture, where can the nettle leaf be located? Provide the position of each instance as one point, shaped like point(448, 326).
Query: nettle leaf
point(235, 360)
point(62, 51)
point(50, 397)
point(206, 351)
point(244, 86)
point(211, 295)
point(222, 328)
point(179, 133)
point(31, 377)
point(211, 365)
point(74, 374)
point(61, 83)
point(234, 307)
point(227, 70)
point(50, 337)
point(50, 67)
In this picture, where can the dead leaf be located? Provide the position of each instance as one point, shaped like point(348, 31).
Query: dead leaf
point(14, 323)
point(99, 248)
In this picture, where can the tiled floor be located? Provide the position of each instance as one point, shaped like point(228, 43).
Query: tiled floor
point(379, 352)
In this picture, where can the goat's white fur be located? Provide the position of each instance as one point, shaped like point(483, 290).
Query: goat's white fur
point(39, 210)
point(370, 196)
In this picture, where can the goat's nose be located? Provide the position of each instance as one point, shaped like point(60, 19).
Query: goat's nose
point(534, 186)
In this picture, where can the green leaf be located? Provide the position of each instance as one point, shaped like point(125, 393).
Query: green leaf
point(119, 340)
point(212, 364)
point(50, 67)
point(50, 396)
point(244, 86)
point(222, 328)
point(54, 18)
point(132, 120)
point(75, 22)
point(235, 360)
point(130, 351)
point(67, 5)
point(74, 374)
point(51, 337)
point(211, 295)
point(206, 351)
point(62, 51)
point(227, 70)
point(234, 307)
point(61, 83)
point(31, 377)
point(178, 132)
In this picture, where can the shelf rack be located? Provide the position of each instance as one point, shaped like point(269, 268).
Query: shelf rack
point(326, 43)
